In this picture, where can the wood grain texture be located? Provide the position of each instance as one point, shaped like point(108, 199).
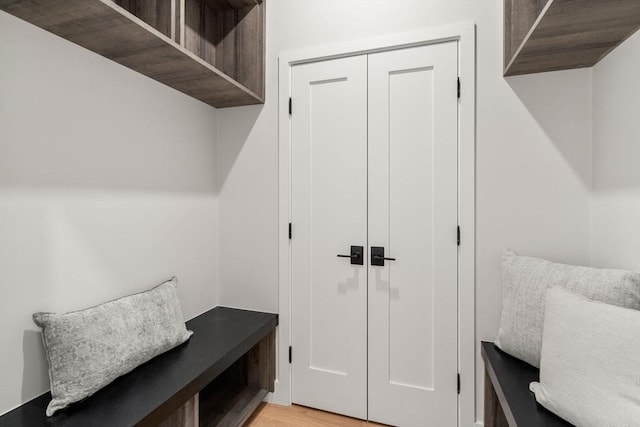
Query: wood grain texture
point(261, 363)
point(519, 16)
point(156, 13)
point(222, 394)
point(176, 21)
point(193, 23)
point(233, 396)
point(228, 403)
point(185, 416)
point(245, 405)
point(232, 4)
point(570, 34)
point(249, 60)
point(270, 415)
point(232, 40)
point(493, 414)
point(540, 4)
point(103, 27)
point(209, 48)
point(227, 57)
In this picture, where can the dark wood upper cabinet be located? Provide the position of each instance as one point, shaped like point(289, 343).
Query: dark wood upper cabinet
point(212, 50)
point(232, 4)
point(548, 35)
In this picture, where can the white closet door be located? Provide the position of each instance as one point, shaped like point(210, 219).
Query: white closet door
point(413, 215)
point(329, 214)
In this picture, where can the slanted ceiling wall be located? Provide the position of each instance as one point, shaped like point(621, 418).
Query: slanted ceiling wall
point(107, 186)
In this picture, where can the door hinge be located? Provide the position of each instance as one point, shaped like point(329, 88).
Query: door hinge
point(290, 232)
point(458, 93)
point(458, 235)
point(458, 382)
point(290, 355)
point(291, 105)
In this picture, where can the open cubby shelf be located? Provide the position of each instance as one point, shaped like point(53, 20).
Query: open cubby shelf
point(548, 35)
point(212, 50)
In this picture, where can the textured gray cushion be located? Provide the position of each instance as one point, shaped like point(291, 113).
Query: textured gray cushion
point(525, 281)
point(88, 349)
point(590, 366)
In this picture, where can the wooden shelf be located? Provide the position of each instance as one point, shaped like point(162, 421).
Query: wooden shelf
point(234, 408)
point(553, 35)
point(234, 395)
point(232, 4)
point(215, 55)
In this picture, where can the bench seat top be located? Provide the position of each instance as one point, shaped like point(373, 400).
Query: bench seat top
point(511, 377)
point(150, 393)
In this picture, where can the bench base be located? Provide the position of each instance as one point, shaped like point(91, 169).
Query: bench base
point(218, 377)
point(507, 399)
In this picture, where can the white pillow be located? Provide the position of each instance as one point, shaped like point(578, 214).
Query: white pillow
point(525, 281)
point(590, 366)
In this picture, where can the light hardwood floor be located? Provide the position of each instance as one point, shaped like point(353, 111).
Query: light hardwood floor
point(270, 415)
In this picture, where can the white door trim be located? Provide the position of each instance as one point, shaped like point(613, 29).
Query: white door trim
point(464, 33)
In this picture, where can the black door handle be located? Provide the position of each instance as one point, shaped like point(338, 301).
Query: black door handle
point(377, 256)
point(383, 257)
point(356, 255)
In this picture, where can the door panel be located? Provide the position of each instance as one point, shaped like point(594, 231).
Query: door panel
point(413, 214)
point(329, 214)
point(374, 163)
point(410, 119)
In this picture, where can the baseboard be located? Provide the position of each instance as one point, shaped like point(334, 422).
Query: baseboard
point(278, 400)
point(277, 396)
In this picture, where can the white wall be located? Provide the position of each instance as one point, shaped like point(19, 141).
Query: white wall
point(107, 186)
point(616, 158)
point(110, 181)
point(533, 152)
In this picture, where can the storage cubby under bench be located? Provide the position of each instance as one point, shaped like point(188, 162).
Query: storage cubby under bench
point(218, 377)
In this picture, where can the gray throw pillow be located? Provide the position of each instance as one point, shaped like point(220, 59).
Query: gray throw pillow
point(590, 366)
point(88, 349)
point(525, 281)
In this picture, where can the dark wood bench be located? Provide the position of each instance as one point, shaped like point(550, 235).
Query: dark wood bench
point(218, 377)
point(507, 399)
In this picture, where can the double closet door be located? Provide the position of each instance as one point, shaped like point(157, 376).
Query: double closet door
point(374, 250)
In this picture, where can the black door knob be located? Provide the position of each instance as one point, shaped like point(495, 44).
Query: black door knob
point(377, 256)
point(356, 255)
